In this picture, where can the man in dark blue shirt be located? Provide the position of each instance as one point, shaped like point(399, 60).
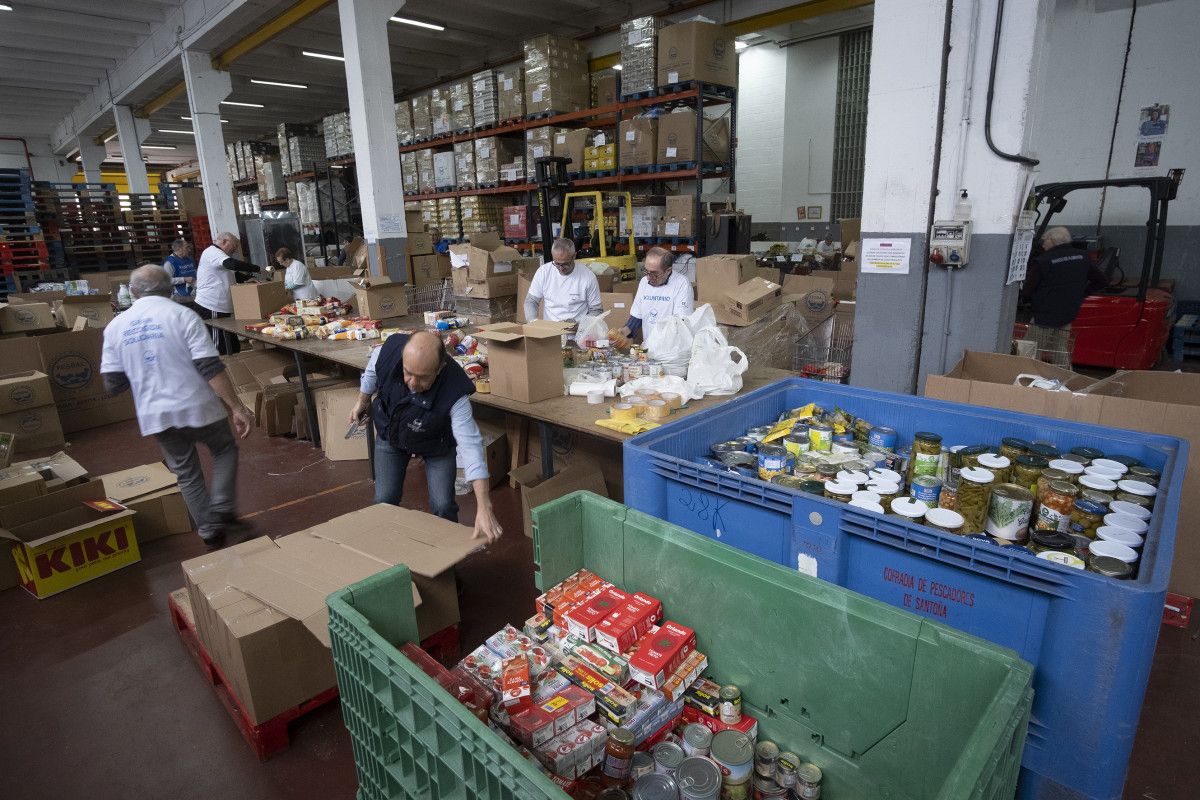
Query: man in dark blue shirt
point(1056, 283)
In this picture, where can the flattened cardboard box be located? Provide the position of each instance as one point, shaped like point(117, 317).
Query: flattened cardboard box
point(61, 543)
point(1154, 402)
point(153, 492)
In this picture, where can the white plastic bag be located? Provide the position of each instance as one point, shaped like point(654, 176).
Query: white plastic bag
point(670, 344)
point(715, 366)
point(591, 329)
point(667, 383)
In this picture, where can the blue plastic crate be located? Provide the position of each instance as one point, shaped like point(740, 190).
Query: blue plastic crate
point(1090, 638)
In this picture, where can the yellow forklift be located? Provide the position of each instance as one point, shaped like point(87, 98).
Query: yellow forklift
point(591, 219)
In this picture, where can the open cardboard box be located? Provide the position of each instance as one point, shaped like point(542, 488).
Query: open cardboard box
point(26, 317)
point(717, 275)
point(525, 361)
point(256, 301)
point(95, 308)
point(153, 492)
point(382, 299)
point(1155, 402)
point(536, 490)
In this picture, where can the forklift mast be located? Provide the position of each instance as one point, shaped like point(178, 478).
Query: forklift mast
point(551, 180)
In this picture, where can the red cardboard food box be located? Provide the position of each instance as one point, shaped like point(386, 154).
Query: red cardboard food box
point(660, 653)
point(516, 685)
point(633, 620)
point(748, 724)
point(583, 619)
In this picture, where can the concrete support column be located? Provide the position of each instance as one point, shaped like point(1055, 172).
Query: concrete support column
point(91, 156)
point(206, 88)
point(909, 326)
point(131, 132)
point(373, 124)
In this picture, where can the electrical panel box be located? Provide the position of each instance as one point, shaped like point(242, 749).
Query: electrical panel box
point(950, 243)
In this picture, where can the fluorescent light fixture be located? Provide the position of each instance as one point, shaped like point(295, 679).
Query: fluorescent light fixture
point(617, 67)
point(416, 23)
point(110, 138)
point(5, 7)
point(329, 56)
point(739, 45)
point(159, 147)
point(181, 133)
point(243, 105)
point(280, 83)
point(189, 119)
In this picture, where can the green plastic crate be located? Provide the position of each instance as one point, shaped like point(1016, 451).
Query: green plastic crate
point(888, 704)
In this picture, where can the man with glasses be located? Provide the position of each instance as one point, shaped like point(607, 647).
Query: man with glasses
point(662, 293)
point(570, 292)
point(422, 407)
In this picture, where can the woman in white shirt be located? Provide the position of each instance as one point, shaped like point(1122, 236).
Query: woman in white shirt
point(296, 278)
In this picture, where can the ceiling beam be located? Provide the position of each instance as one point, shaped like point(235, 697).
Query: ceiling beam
point(132, 10)
point(33, 55)
point(120, 39)
point(125, 28)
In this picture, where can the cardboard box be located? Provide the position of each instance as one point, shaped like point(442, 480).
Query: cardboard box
point(639, 141)
point(813, 295)
point(26, 318)
point(606, 90)
point(487, 256)
point(382, 299)
point(57, 471)
point(677, 139)
point(718, 275)
point(106, 282)
point(420, 242)
point(255, 301)
point(696, 51)
point(152, 491)
point(495, 454)
point(17, 484)
point(23, 390)
point(619, 303)
point(333, 409)
point(571, 145)
point(525, 361)
point(751, 300)
point(536, 490)
point(35, 428)
point(429, 270)
point(1155, 402)
point(96, 308)
point(61, 543)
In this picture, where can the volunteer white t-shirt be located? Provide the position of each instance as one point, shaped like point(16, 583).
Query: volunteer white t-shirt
point(213, 281)
point(297, 275)
point(154, 343)
point(654, 303)
point(567, 297)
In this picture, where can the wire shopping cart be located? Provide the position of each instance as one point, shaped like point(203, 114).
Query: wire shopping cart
point(823, 353)
point(435, 297)
point(1054, 346)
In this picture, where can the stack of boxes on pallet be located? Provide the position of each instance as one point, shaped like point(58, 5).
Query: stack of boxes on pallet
point(339, 142)
point(639, 56)
point(404, 123)
point(301, 148)
point(556, 79)
point(485, 102)
point(425, 267)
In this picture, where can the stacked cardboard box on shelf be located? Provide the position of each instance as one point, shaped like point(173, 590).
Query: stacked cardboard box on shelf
point(646, 220)
point(604, 88)
point(679, 217)
point(556, 75)
point(339, 142)
point(444, 173)
point(600, 157)
point(422, 117)
point(408, 172)
point(485, 102)
point(510, 90)
point(677, 138)
point(480, 214)
point(696, 51)
point(491, 152)
point(404, 122)
point(425, 182)
point(461, 116)
point(516, 222)
point(271, 185)
point(639, 141)
point(516, 170)
point(292, 156)
point(639, 55)
point(439, 110)
point(449, 220)
point(570, 144)
point(464, 164)
point(539, 143)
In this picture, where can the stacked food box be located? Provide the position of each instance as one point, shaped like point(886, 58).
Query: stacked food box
point(539, 143)
point(556, 75)
point(422, 117)
point(639, 55)
point(408, 172)
point(449, 221)
point(485, 103)
point(425, 183)
point(464, 164)
point(301, 148)
point(480, 214)
point(439, 110)
point(460, 106)
point(404, 122)
point(339, 142)
point(510, 89)
point(444, 177)
point(491, 154)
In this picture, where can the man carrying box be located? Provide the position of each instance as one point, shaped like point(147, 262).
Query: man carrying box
point(160, 351)
point(422, 407)
point(662, 293)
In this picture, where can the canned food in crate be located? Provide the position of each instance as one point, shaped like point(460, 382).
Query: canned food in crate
point(698, 779)
point(766, 758)
point(759, 432)
point(1009, 510)
point(747, 444)
point(773, 459)
point(821, 437)
point(724, 447)
point(734, 752)
point(655, 787)
point(696, 739)
point(789, 482)
point(739, 458)
point(882, 438)
point(797, 443)
point(642, 764)
point(768, 789)
point(844, 448)
point(667, 757)
point(808, 782)
point(926, 488)
point(785, 770)
point(731, 706)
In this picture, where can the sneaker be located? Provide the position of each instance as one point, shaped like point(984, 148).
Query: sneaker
point(214, 542)
point(237, 531)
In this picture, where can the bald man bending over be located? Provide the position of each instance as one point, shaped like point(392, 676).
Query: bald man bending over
point(422, 407)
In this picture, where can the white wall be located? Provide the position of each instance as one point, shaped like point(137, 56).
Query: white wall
point(46, 166)
point(762, 80)
point(1081, 76)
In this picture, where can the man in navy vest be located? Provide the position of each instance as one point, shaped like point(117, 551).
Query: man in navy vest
point(422, 407)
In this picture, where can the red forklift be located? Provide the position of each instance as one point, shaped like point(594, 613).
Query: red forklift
point(1126, 325)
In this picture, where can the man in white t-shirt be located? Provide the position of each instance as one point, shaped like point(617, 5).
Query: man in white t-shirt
point(161, 351)
point(571, 292)
point(662, 293)
point(214, 275)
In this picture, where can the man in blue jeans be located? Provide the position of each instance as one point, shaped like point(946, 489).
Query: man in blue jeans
point(422, 408)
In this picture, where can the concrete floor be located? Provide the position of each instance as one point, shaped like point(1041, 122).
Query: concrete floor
point(100, 699)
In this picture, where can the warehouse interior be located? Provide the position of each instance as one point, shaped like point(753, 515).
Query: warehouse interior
point(817, 302)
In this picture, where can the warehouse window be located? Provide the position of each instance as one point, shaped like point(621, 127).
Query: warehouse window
point(850, 125)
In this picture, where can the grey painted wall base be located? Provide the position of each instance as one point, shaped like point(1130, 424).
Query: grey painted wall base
point(394, 251)
point(887, 324)
point(1181, 254)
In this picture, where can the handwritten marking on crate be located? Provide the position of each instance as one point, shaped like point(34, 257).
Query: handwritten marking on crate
point(705, 507)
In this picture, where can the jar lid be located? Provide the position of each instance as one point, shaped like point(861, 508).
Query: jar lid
point(1090, 507)
point(1113, 549)
point(1096, 496)
point(881, 487)
point(1132, 509)
point(926, 436)
point(1063, 487)
point(865, 495)
point(944, 518)
point(828, 470)
point(1078, 459)
point(1065, 559)
point(1139, 472)
point(853, 476)
point(867, 505)
point(1090, 453)
point(1127, 521)
point(1100, 484)
point(1102, 472)
point(812, 486)
point(980, 537)
point(993, 461)
point(840, 489)
point(887, 475)
point(621, 736)
point(1046, 451)
point(1119, 535)
point(1140, 488)
point(1032, 462)
point(907, 507)
point(957, 447)
point(1014, 442)
point(977, 475)
point(1110, 567)
point(1128, 461)
point(1067, 465)
point(1054, 540)
point(974, 449)
point(1109, 464)
point(1052, 474)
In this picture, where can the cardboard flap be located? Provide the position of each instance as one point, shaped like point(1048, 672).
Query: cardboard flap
point(79, 299)
point(91, 519)
point(426, 544)
point(130, 484)
point(484, 240)
point(498, 335)
point(24, 512)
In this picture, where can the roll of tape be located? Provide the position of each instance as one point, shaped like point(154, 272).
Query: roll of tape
point(595, 397)
point(656, 409)
point(483, 387)
point(672, 399)
point(622, 411)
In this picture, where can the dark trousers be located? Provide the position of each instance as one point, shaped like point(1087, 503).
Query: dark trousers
point(226, 342)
